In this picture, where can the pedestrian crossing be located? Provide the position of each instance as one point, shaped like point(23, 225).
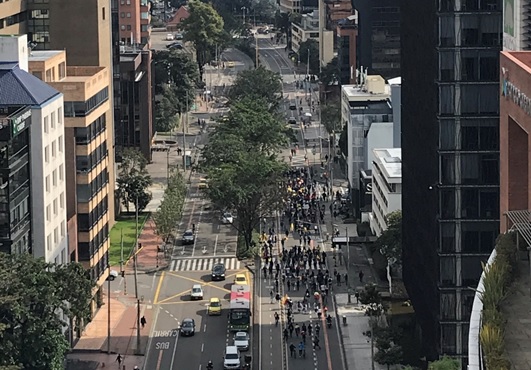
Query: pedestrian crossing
point(298, 160)
point(203, 264)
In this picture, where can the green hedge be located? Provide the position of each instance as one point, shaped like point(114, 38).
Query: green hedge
point(497, 279)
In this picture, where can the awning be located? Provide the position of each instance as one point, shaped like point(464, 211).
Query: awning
point(520, 221)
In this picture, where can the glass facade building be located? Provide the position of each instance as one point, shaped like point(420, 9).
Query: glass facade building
point(450, 152)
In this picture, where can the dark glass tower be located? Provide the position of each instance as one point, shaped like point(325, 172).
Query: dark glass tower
point(450, 154)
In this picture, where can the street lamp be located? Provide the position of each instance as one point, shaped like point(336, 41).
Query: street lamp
point(109, 311)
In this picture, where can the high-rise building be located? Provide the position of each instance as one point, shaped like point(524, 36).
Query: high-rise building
point(516, 24)
point(450, 160)
point(86, 110)
point(32, 159)
point(346, 40)
point(13, 17)
point(379, 36)
point(134, 21)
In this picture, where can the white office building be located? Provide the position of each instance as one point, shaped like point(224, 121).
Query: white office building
point(47, 154)
point(386, 187)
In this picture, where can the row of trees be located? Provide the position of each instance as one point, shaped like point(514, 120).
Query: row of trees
point(32, 295)
point(171, 207)
point(241, 158)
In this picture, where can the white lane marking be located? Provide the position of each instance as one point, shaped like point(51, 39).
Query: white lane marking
point(216, 244)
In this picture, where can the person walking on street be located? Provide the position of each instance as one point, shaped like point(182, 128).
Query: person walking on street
point(338, 278)
point(297, 330)
point(361, 276)
point(119, 359)
point(271, 295)
point(143, 321)
point(316, 343)
point(292, 349)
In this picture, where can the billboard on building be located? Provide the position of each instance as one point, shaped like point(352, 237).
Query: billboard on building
point(511, 32)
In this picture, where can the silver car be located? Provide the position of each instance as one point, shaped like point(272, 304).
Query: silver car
point(241, 340)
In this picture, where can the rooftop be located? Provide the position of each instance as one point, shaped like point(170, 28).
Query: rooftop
point(390, 161)
point(42, 55)
point(18, 87)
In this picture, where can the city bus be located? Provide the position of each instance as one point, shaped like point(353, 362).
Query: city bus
point(240, 308)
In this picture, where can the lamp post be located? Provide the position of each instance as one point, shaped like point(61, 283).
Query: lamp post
point(109, 311)
point(136, 281)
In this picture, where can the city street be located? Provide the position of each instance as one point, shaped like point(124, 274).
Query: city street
point(191, 264)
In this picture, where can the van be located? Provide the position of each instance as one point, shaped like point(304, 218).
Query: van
point(231, 359)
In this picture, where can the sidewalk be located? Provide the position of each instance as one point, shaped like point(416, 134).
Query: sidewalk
point(90, 352)
point(149, 257)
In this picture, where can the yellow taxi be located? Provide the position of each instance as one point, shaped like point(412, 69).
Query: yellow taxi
point(214, 307)
point(240, 279)
point(203, 184)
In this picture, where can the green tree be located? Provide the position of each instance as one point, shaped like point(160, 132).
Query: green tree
point(33, 293)
point(204, 29)
point(171, 207)
point(387, 343)
point(259, 83)
point(250, 187)
point(310, 48)
point(331, 116)
point(390, 241)
point(283, 22)
point(134, 180)
point(177, 72)
point(445, 363)
point(370, 294)
point(249, 126)
point(166, 118)
point(330, 73)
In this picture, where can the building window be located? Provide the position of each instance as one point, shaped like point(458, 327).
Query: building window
point(54, 149)
point(47, 181)
point(48, 213)
point(122, 27)
point(49, 242)
point(62, 200)
point(128, 15)
point(52, 120)
point(61, 172)
point(60, 143)
point(129, 27)
point(60, 114)
point(103, 13)
point(46, 124)
point(128, 2)
point(122, 15)
point(83, 108)
point(56, 235)
point(448, 338)
point(54, 177)
point(55, 209)
point(447, 271)
point(144, 27)
point(63, 228)
point(448, 306)
point(144, 15)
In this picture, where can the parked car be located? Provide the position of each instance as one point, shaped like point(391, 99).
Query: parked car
point(188, 237)
point(226, 218)
point(196, 293)
point(214, 307)
point(170, 37)
point(175, 45)
point(241, 340)
point(218, 272)
point(187, 328)
point(179, 36)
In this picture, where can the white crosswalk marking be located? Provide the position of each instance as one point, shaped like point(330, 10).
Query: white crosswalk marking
point(203, 264)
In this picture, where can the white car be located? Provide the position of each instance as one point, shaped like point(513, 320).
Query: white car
point(196, 292)
point(231, 360)
point(227, 218)
point(241, 340)
point(170, 37)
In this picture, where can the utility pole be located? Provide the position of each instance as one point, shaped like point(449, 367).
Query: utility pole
point(256, 51)
point(122, 261)
point(348, 265)
point(184, 137)
point(136, 282)
point(108, 311)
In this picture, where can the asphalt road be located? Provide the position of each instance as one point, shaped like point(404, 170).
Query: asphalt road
point(191, 264)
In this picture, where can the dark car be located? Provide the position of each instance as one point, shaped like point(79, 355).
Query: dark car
point(188, 237)
point(188, 327)
point(175, 45)
point(218, 272)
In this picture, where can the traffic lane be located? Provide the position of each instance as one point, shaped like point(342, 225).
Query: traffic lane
point(215, 238)
point(211, 332)
point(270, 335)
point(163, 342)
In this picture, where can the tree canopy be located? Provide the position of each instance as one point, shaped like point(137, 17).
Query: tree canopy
point(259, 83)
point(204, 29)
point(310, 48)
point(134, 180)
point(331, 116)
point(390, 242)
point(330, 73)
point(33, 293)
point(171, 207)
